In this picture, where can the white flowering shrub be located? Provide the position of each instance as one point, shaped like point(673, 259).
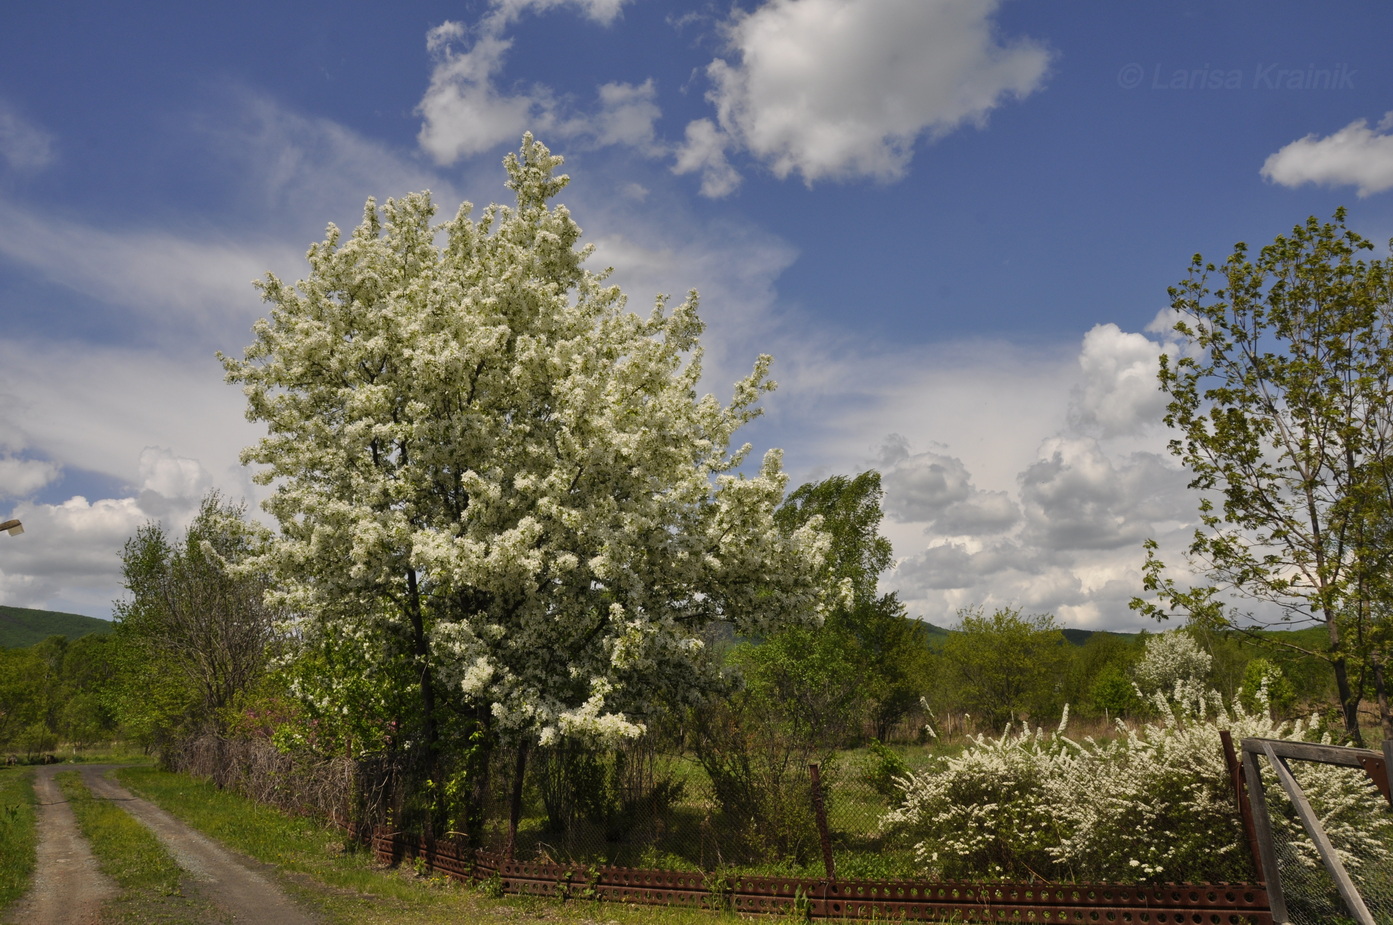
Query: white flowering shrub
point(1169, 659)
point(1153, 804)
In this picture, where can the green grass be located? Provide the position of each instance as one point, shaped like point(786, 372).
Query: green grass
point(345, 882)
point(17, 834)
point(151, 883)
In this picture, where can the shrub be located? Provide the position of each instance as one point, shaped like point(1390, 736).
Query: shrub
point(1153, 804)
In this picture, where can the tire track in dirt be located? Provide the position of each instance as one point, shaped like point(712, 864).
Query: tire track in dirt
point(69, 887)
point(229, 880)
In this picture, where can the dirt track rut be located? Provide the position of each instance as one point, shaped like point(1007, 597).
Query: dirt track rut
point(69, 889)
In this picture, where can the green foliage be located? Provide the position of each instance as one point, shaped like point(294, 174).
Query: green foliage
point(1114, 694)
point(1266, 688)
point(851, 515)
point(23, 626)
point(1006, 666)
point(865, 666)
point(57, 692)
point(18, 837)
point(194, 635)
point(1282, 399)
point(884, 769)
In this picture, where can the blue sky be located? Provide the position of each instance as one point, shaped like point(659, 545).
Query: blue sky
point(952, 223)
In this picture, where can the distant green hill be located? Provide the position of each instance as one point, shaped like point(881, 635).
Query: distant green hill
point(21, 626)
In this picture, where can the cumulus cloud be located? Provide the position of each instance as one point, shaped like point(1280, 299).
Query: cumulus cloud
point(465, 112)
point(23, 145)
point(937, 489)
point(704, 151)
point(1356, 155)
point(845, 88)
point(1119, 394)
point(1077, 497)
point(20, 478)
point(169, 482)
point(68, 557)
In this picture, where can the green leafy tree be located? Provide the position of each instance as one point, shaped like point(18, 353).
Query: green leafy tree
point(1006, 666)
point(1280, 397)
point(1266, 689)
point(1100, 664)
point(194, 634)
point(873, 655)
point(483, 460)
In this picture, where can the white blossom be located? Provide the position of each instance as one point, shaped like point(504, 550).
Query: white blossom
point(474, 441)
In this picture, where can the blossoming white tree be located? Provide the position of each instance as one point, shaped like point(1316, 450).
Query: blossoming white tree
point(479, 453)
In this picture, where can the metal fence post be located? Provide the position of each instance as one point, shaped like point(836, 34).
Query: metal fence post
point(820, 811)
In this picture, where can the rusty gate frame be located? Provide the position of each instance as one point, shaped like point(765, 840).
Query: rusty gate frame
point(1278, 752)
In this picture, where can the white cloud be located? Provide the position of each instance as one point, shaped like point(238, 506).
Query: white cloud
point(20, 478)
point(23, 145)
point(464, 112)
point(99, 408)
point(937, 489)
point(68, 557)
point(845, 88)
point(1356, 156)
point(294, 173)
point(182, 284)
point(601, 11)
point(626, 116)
point(1119, 394)
point(704, 150)
point(1077, 497)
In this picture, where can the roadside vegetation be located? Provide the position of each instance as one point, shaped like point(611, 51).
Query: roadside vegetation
point(17, 834)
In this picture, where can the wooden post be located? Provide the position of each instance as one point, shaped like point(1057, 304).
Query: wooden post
point(1262, 824)
point(1245, 810)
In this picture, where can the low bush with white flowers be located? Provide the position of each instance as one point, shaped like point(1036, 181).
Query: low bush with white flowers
point(1153, 804)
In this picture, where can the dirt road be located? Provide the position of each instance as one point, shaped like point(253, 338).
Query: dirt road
point(68, 885)
point(69, 889)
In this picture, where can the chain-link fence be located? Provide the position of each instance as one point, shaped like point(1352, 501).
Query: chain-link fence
point(1326, 821)
point(643, 806)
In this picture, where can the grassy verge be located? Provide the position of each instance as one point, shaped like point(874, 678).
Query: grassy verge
point(17, 834)
point(149, 879)
point(344, 881)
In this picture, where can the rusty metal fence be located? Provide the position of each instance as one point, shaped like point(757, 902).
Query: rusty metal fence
point(807, 897)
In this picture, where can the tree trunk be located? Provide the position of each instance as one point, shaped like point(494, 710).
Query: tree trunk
point(515, 803)
point(1349, 698)
point(1349, 701)
point(420, 648)
point(1382, 691)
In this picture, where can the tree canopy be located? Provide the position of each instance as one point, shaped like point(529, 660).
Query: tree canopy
point(485, 466)
point(1281, 395)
